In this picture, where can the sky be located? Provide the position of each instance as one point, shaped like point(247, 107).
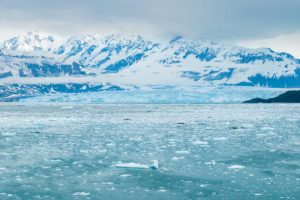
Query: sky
point(250, 23)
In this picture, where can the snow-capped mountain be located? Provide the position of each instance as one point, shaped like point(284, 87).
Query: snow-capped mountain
point(29, 42)
point(93, 52)
point(123, 60)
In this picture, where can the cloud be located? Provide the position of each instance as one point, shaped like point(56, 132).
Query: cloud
point(230, 20)
point(282, 43)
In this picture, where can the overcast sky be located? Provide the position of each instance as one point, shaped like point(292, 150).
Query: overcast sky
point(253, 23)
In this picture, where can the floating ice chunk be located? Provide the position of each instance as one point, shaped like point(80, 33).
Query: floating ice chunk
point(220, 138)
point(162, 189)
point(138, 165)
point(266, 128)
point(108, 183)
point(136, 139)
point(261, 135)
point(211, 163)
point(292, 119)
point(9, 134)
point(131, 165)
point(203, 185)
point(182, 152)
point(154, 164)
point(99, 173)
point(81, 194)
point(248, 125)
point(236, 167)
point(198, 142)
point(102, 151)
point(177, 158)
point(125, 175)
point(67, 107)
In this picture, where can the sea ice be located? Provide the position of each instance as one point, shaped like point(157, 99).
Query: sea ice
point(182, 152)
point(137, 165)
point(220, 138)
point(236, 167)
point(81, 194)
point(75, 151)
point(198, 142)
point(8, 134)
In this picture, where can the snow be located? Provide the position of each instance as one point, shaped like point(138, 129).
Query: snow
point(160, 64)
point(30, 42)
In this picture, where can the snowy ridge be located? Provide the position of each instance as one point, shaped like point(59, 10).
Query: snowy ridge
point(122, 60)
point(29, 42)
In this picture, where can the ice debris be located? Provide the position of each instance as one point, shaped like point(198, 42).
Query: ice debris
point(154, 165)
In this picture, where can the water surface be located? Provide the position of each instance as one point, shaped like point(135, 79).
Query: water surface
point(204, 151)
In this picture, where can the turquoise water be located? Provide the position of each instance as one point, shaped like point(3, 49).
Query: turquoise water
point(204, 151)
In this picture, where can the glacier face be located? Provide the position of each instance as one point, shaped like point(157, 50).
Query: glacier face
point(155, 95)
point(15, 92)
point(122, 60)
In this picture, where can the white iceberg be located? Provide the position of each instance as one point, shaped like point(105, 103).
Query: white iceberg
point(154, 165)
point(236, 167)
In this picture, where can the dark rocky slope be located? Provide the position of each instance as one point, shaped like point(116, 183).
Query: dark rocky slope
point(287, 97)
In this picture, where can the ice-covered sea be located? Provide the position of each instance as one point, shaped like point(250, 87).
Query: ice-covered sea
point(71, 151)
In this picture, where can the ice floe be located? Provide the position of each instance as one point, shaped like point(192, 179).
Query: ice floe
point(81, 194)
point(9, 134)
point(154, 165)
point(198, 142)
point(212, 163)
point(220, 138)
point(67, 107)
point(236, 167)
point(182, 152)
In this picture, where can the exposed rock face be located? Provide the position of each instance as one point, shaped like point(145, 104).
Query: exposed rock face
point(287, 97)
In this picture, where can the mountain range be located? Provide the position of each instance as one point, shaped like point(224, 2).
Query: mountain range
point(35, 63)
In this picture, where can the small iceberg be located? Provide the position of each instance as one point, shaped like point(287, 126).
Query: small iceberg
point(67, 107)
point(81, 193)
point(198, 142)
point(9, 134)
point(211, 163)
point(182, 152)
point(154, 165)
point(236, 167)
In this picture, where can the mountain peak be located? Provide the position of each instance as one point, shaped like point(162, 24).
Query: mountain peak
point(175, 39)
point(122, 38)
point(29, 41)
point(182, 59)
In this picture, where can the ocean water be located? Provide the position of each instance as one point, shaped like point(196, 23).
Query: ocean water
point(233, 151)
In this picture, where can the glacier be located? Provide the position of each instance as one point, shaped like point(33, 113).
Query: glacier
point(160, 95)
